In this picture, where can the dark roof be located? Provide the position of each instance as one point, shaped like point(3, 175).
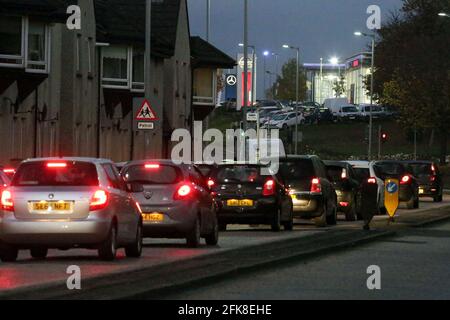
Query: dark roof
point(50, 10)
point(205, 54)
point(121, 21)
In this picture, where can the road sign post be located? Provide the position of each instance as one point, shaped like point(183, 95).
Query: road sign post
point(391, 196)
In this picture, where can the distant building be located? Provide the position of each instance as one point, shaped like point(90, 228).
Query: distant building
point(357, 71)
point(321, 79)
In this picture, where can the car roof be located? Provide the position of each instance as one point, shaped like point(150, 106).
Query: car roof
point(359, 164)
point(419, 162)
point(78, 159)
point(336, 163)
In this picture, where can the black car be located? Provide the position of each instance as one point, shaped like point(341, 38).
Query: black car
point(325, 115)
point(246, 196)
point(347, 186)
point(311, 114)
point(409, 187)
point(313, 194)
point(429, 179)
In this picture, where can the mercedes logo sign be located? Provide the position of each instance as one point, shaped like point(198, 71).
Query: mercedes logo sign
point(231, 80)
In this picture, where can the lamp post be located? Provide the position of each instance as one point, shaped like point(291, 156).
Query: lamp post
point(321, 81)
point(265, 54)
point(443, 14)
point(372, 36)
point(244, 113)
point(208, 18)
point(286, 46)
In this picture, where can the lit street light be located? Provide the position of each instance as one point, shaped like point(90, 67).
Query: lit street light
point(265, 54)
point(443, 14)
point(286, 46)
point(372, 36)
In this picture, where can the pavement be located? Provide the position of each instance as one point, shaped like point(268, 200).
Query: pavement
point(168, 263)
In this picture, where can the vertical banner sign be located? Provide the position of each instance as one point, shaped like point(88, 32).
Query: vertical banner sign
point(240, 79)
point(391, 196)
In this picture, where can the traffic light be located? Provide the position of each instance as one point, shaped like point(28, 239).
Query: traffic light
point(384, 137)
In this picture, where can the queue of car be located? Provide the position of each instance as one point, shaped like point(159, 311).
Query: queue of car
point(65, 203)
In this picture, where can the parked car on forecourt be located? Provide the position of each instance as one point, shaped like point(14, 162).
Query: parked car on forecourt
point(409, 187)
point(429, 179)
point(364, 112)
point(347, 113)
point(267, 116)
point(311, 114)
point(313, 194)
point(325, 116)
point(285, 120)
point(246, 196)
point(364, 171)
point(65, 203)
point(348, 188)
point(175, 201)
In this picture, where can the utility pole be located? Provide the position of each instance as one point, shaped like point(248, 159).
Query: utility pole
point(208, 19)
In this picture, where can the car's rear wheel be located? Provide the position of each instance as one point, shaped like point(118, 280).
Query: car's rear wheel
point(8, 253)
point(108, 250)
point(134, 250)
point(193, 237)
point(212, 239)
point(332, 218)
point(321, 221)
point(276, 221)
point(39, 253)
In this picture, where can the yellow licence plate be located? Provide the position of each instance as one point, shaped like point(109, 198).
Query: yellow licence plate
point(60, 206)
point(153, 217)
point(421, 191)
point(240, 203)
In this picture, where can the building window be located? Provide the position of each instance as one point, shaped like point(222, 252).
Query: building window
point(138, 69)
point(11, 46)
point(24, 44)
point(123, 68)
point(204, 87)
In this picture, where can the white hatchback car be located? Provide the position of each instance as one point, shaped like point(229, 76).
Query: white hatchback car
point(285, 120)
point(365, 170)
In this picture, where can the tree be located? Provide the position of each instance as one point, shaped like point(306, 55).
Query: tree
point(412, 70)
point(285, 84)
point(339, 87)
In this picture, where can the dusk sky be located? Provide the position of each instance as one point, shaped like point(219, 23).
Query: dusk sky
point(321, 28)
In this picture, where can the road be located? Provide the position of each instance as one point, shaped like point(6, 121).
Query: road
point(414, 265)
point(28, 272)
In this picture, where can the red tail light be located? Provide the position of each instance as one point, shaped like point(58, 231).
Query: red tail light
point(433, 178)
point(316, 187)
point(269, 188)
point(7, 201)
point(56, 165)
point(9, 171)
point(344, 204)
point(344, 174)
point(211, 183)
point(405, 180)
point(183, 192)
point(99, 200)
point(152, 166)
point(372, 181)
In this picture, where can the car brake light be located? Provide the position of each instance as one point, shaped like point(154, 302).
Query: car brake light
point(344, 204)
point(405, 180)
point(99, 200)
point(9, 171)
point(344, 174)
point(56, 165)
point(372, 181)
point(433, 178)
point(152, 166)
point(211, 183)
point(183, 192)
point(269, 188)
point(7, 201)
point(316, 187)
point(433, 168)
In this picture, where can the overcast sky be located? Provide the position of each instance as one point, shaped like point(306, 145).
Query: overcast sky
point(321, 28)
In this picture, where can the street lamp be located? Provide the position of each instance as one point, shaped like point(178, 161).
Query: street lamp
point(265, 54)
point(286, 46)
point(443, 14)
point(372, 36)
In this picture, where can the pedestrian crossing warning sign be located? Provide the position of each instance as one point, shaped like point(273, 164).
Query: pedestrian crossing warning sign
point(146, 112)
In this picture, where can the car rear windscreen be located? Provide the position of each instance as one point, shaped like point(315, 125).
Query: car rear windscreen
point(239, 174)
point(77, 174)
point(362, 174)
point(297, 170)
point(153, 174)
point(385, 170)
point(335, 173)
point(421, 169)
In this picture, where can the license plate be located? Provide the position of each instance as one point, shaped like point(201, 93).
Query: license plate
point(294, 196)
point(48, 207)
point(153, 217)
point(240, 203)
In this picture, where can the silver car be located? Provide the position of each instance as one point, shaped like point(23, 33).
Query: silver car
point(176, 201)
point(65, 203)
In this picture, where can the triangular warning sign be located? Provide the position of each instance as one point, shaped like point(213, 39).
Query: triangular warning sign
point(146, 112)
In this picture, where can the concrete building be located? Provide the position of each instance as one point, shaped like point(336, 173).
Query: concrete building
point(70, 92)
point(321, 79)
